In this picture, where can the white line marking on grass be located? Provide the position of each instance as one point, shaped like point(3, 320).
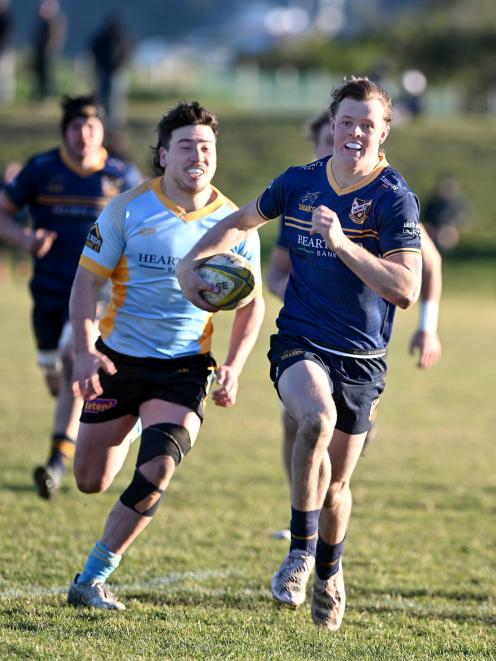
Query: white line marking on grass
point(160, 581)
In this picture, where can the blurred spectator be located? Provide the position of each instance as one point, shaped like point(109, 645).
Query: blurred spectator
point(413, 89)
point(49, 37)
point(13, 261)
point(7, 55)
point(111, 48)
point(446, 212)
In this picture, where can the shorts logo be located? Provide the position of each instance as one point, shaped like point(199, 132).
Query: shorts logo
point(360, 210)
point(373, 409)
point(94, 239)
point(99, 405)
point(291, 354)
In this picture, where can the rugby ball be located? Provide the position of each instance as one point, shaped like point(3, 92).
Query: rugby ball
point(233, 277)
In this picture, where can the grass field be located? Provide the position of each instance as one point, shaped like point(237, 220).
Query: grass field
point(420, 558)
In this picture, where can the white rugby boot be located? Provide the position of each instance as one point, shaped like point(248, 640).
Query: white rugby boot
point(94, 595)
point(329, 601)
point(289, 583)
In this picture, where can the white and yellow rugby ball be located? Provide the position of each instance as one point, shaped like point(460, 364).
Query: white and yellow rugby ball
point(233, 277)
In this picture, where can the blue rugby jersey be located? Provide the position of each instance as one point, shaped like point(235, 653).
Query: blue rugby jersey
point(137, 242)
point(63, 197)
point(325, 301)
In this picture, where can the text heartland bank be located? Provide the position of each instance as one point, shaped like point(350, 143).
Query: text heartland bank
point(160, 262)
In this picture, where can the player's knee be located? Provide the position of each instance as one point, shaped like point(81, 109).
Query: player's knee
point(316, 428)
point(162, 445)
point(163, 440)
point(50, 366)
point(88, 483)
point(87, 480)
point(338, 491)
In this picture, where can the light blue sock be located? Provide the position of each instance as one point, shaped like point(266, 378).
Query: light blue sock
point(100, 564)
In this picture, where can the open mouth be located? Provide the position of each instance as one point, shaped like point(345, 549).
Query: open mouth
point(196, 172)
point(353, 146)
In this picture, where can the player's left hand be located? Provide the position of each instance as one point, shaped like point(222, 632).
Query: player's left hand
point(325, 222)
point(428, 346)
point(227, 377)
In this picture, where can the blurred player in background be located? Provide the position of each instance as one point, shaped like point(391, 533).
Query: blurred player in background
point(153, 358)
point(352, 225)
point(425, 339)
point(64, 190)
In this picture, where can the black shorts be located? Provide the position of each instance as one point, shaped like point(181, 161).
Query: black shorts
point(184, 381)
point(49, 315)
point(356, 383)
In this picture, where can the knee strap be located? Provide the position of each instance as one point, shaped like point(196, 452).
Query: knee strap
point(142, 496)
point(164, 439)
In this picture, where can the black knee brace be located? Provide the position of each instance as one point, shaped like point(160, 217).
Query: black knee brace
point(142, 496)
point(164, 439)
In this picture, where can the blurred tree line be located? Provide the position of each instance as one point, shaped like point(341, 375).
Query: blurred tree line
point(450, 41)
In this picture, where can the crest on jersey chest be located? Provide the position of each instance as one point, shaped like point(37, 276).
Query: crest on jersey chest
point(360, 210)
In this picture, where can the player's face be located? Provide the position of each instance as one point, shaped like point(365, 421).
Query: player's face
point(191, 158)
point(359, 129)
point(324, 142)
point(84, 137)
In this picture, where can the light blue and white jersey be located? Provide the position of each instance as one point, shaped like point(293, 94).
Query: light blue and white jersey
point(137, 241)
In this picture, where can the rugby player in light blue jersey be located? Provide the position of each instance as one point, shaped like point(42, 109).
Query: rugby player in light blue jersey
point(352, 225)
point(153, 358)
point(64, 190)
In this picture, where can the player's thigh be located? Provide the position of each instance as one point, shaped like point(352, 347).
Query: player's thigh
point(156, 411)
point(304, 387)
point(102, 447)
point(344, 453)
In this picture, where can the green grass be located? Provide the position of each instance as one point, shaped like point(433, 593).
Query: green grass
point(419, 561)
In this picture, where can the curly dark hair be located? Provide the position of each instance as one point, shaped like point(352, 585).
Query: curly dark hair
point(186, 113)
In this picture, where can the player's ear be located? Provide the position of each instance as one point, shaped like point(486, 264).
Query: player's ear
point(384, 134)
point(162, 155)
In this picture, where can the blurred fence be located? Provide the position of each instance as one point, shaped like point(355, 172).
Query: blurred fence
point(250, 88)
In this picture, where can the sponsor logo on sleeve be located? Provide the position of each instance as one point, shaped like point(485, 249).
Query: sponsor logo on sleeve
point(94, 239)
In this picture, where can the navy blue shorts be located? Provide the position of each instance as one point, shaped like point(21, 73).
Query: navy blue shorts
point(49, 315)
point(184, 381)
point(356, 383)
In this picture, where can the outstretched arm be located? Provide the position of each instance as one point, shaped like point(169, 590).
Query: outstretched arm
point(244, 333)
point(426, 339)
point(221, 237)
point(36, 242)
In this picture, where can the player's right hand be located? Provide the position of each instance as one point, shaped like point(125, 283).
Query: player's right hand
point(192, 285)
point(86, 381)
point(40, 241)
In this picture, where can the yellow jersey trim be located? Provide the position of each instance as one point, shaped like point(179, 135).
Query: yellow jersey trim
point(78, 168)
point(93, 267)
point(188, 216)
point(382, 163)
